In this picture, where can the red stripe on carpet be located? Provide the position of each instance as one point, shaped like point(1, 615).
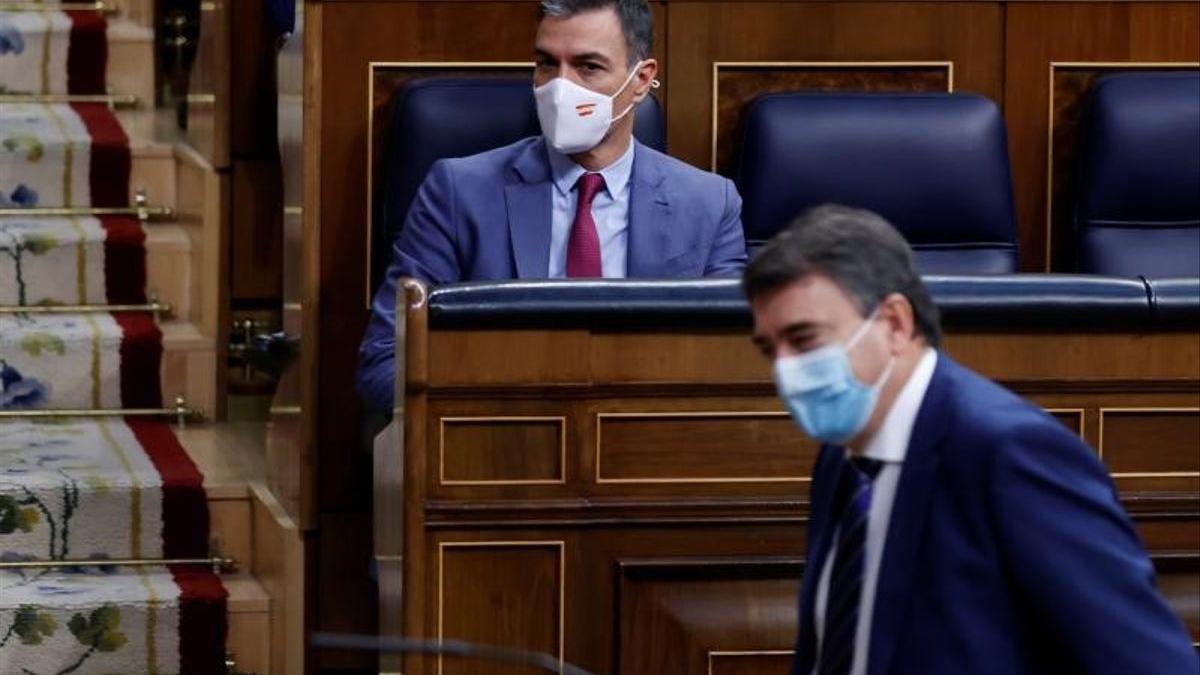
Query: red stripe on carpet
point(87, 55)
point(111, 161)
point(185, 504)
point(202, 621)
point(141, 358)
point(124, 260)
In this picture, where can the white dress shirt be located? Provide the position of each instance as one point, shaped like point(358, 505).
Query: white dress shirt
point(889, 446)
point(610, 210)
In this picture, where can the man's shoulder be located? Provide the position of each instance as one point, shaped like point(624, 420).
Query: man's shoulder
point(494, 161)
point(980, 403)
point(992, 417)
point(678, 172)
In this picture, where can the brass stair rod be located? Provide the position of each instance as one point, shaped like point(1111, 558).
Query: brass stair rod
point(218, 563)
point(123, 101)
point(181, 412)
point(102, 7)
point(153, 307)
point(141, 209)
point(141, 212)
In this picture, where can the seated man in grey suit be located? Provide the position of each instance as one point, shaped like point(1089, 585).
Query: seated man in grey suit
point(584, 200)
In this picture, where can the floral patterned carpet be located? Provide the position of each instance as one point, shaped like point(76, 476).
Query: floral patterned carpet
point(86, 489)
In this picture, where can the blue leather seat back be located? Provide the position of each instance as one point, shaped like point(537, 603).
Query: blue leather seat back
point(997, 302)
point(1138, 206)
point(436, 118)
point(935, 165)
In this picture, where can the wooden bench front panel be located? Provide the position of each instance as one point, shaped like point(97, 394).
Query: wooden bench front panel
point(638, 503)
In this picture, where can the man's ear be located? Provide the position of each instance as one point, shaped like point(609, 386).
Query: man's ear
point(644, 80)
point(897, 311)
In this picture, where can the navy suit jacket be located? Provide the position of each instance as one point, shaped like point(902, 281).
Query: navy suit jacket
point(1007, 552)
point(487, 217)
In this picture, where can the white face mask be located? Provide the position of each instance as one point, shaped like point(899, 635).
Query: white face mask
point(574, 118)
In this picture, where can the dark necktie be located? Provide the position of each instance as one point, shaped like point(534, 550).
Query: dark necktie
point(846, 577)
point(583, 246)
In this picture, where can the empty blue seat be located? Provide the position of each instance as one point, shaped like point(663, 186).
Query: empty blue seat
point(935, 165)
point(435, 118)
point(1138, 205)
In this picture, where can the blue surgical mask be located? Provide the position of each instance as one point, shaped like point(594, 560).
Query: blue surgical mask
point(823, 395)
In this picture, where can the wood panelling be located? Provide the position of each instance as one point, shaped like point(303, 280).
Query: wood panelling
point(1160, 444)
point(572, 358)
point(1180, 586)
point(762, 662)
point(209, 108)
point(469, 357)
point(1040, 33)
point(256, 221)
point(699, 34)
point(1169, 532)
point(509, 450)
point(279, 565)
point(1071, 419)
point(737, 85)
point(256, 228)
point(663, 604)
point(696, 447)
point(1077, 356)
point(677, 357)
point(706, 561)
point(503, 593)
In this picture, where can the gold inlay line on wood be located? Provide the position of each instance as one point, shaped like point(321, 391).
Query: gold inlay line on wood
point(1083, 65)
point(600, 417)
point(562, 449)
point(558, 544)
point(1147, 410)
point(811, 65)
point(1078, 412)
point(372, 66)
point(747, 652)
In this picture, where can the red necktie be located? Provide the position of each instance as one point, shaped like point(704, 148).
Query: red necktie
point(583, 247)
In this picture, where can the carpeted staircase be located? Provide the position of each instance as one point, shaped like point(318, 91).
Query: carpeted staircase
point(86, 488)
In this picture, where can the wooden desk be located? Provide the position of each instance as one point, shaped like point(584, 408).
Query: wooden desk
point(636, 501)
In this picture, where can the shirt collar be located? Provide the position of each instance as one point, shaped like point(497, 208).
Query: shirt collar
point(891, 442)
point(566, 172)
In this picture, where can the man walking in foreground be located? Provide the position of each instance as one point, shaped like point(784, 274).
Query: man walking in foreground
point(955, 527)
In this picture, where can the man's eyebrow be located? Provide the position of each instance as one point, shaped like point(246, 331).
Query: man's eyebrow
point(540, 54)
point(801, 327)
point(591, 56)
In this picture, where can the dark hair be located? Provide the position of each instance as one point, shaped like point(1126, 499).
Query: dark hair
point(858, 250)
point(637, 21)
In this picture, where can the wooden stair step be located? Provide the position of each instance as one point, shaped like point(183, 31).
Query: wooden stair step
point(169, 251)
point(152, 171)
point(189, 366)
point(138, 12)
point(130, 50)
point(248, 611)
point(227, 455)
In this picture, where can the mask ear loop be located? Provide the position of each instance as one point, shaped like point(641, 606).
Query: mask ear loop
point(862, 330)
point(654, 84)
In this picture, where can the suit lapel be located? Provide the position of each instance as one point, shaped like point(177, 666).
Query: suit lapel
point(650, 223)
point(527, 199)
point(894, 593)
point(821, 532)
